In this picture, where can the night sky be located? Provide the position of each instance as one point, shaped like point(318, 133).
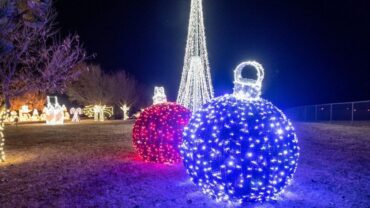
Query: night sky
point(313, 51)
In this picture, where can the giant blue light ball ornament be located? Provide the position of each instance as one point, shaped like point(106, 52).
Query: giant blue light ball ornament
point(239, 147)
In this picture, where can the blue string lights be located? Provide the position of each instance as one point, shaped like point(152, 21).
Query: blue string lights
point(241, 148)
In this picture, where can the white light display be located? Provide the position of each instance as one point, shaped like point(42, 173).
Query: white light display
point(35, 115)
point(66, 114)
point(241, 148)
point(159, 95)
point(2, 138)
point(98, 112)
point(125, 110)
point(54, 113)
point(12, 117)
point(196, 84)
point(24, 113)
point(75, 112)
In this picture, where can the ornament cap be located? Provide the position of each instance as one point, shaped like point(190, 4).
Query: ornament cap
point(246, 88)
point(159, 95)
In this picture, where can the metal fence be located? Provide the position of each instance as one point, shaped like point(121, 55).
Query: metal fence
point(348, 111)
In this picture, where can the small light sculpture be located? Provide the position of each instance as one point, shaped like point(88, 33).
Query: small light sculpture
point(125, 110)
point(98, 112)
point(75, 112)
point(159, 95)
point(24, 113)
point(12, 116)
point(66, 114)
point(54, 114)
point(241, 148)
point(35, 115)
point(157, 133)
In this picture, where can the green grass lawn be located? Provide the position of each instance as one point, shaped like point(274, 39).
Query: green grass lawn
point(94, 165)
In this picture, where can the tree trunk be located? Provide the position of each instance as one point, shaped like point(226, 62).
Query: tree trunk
point(7, 103)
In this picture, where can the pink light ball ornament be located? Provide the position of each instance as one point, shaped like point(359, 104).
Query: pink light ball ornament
point(157, 133)
point(240, 148)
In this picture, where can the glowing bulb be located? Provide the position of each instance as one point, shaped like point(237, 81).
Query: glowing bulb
point(280, 131)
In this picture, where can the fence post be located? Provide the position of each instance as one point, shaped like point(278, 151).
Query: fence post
point(331, 113)
point(305, 113)
point(352, 112)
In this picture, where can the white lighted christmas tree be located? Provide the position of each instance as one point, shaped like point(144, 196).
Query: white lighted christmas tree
point(196, 84)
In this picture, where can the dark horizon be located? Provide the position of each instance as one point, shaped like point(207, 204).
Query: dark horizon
point(312, 51)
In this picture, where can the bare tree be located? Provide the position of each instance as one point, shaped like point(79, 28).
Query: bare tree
point(96, 87)
point(32, 55)
point(93, 87)
point(127, 90)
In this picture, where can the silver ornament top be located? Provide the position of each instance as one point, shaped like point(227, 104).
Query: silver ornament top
point(245, 88)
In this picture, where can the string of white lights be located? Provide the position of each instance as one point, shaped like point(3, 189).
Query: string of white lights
point(196, 83)
point(2, 138)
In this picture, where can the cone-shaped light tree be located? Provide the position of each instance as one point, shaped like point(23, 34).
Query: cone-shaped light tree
point(196, 84)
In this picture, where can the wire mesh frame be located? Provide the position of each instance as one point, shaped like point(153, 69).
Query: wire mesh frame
point(346, 111)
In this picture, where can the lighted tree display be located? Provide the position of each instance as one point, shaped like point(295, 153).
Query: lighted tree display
point(196, 84)
point(32, 56)
point(98, 112)
point(125, 110)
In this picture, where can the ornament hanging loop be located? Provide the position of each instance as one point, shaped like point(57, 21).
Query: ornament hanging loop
point(246, 88)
